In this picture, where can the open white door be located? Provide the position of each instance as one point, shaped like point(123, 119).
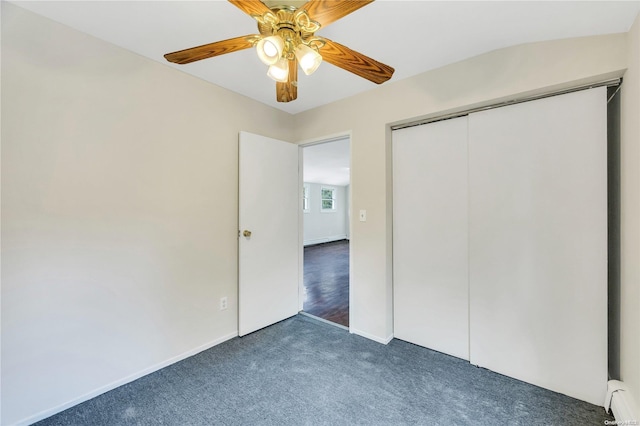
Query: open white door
point(269, 206)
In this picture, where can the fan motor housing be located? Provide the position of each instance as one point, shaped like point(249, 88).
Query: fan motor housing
point(285, 15)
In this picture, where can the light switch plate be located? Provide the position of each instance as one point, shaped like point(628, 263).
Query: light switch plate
point(363, 215)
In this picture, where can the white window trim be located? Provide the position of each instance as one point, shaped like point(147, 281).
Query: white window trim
point(306, 190)
point(334, 192)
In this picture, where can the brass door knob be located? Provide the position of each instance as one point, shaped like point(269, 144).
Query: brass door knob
point(246, 233)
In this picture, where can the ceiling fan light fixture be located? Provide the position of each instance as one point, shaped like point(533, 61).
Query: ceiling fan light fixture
point(308, 58)
point(270, 49)
point(286, 37)
point(279, 71)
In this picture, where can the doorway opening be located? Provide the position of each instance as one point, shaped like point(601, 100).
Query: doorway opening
point(326, 230)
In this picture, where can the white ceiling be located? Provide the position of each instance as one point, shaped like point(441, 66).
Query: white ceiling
point(327, 163)
point(411, 36)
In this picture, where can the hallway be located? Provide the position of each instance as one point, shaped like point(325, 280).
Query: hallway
point(326, 281)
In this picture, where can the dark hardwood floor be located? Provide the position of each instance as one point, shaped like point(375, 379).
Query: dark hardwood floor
point(326, 281)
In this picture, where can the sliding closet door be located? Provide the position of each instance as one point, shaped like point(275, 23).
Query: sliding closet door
point(538, 242)
point(430, 236)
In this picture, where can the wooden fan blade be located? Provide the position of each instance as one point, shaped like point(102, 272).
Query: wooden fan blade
point(357, 63)
point(251, 7)
point(287, 92)
point(327, 11)
point(209, 50)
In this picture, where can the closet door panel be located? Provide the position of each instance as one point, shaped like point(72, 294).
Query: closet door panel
point(538, 242)
point(430, 236)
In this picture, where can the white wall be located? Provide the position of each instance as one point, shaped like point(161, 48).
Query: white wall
point(322, 227)
point(495, 76)
point(630, 217)
point(119, 213)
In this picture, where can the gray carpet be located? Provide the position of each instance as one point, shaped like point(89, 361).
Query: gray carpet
point(301, 371)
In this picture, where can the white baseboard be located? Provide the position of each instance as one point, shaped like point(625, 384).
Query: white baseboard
point(103, 389)
point(369, 336)
point(621, 402)
point(324, 240)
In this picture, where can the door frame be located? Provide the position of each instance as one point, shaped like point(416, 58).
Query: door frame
point(301, 145)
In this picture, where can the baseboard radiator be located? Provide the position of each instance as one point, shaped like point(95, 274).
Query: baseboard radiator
point(621, 403)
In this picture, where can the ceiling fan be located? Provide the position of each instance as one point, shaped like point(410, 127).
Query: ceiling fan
point(287, 39)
